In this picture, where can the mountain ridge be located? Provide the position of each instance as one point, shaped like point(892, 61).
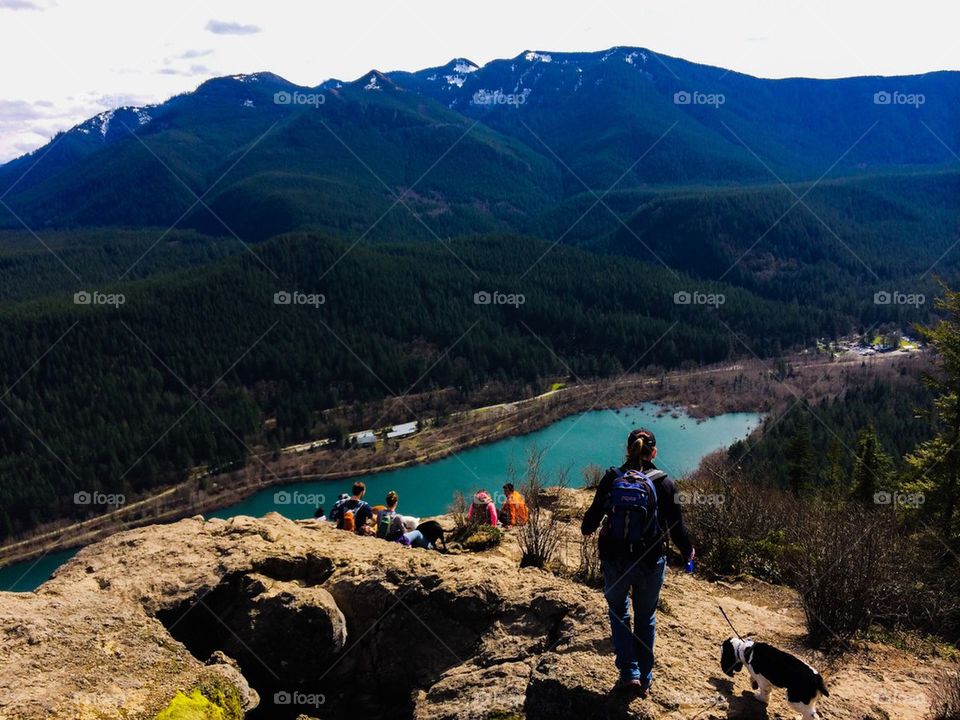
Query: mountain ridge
point(631, 55)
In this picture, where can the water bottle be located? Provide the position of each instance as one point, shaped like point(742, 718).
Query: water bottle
point(690, 565)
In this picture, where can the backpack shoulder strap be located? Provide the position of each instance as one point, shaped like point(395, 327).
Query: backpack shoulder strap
point(653, 488)
point(655, 475)
point(652, 477)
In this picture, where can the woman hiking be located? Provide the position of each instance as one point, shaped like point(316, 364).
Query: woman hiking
point(637, 507)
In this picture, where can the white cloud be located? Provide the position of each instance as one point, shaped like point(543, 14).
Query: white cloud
point(194, 54)
point(18, 5)
point(219, 27)
point(193, 71)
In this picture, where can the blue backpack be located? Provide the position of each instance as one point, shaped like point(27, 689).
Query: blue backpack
point(632, 521)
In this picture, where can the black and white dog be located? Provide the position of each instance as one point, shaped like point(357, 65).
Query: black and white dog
point(771, 667)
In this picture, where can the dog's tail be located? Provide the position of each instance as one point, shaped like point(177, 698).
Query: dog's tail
point(822, 686)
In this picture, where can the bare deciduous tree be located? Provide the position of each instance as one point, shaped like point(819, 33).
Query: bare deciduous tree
point(542, 534)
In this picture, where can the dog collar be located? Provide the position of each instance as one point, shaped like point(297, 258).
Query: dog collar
point(742, 649)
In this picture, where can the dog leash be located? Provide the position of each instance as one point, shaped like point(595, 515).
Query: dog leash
point(716, 702)
point(730, 623)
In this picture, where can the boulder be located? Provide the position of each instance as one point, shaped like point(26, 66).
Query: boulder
point(297, 618)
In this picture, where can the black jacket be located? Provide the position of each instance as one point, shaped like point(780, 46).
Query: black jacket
point(668, 515)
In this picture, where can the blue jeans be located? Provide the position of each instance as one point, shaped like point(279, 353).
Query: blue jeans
point(417, 540)
point(633, 648)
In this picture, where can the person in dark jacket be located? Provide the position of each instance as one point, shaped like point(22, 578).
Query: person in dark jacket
point(360, 512)
point(632, 570)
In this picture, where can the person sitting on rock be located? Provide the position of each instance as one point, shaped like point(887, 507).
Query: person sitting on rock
point(319, 514)
point(386, 515)
point(514, 510)
point(637, 505)
point(482, 510)
point(353, 513)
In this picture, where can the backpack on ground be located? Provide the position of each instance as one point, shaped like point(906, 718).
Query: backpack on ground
point(632, 522)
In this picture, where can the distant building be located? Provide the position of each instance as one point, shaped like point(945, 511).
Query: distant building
point(404, 430)
point(365, 438)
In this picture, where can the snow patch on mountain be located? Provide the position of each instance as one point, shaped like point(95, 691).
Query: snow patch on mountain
point(104, 119)
point(534, 56)
point(464, 67)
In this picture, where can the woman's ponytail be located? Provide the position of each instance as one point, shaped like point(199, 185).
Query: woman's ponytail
point(640, 447)
point(635, 452)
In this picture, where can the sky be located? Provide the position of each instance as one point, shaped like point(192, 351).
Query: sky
point(66, 60)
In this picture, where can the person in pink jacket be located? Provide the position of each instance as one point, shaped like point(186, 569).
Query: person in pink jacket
point(482, 510)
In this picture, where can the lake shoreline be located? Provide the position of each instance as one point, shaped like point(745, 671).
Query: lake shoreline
point(709, 392)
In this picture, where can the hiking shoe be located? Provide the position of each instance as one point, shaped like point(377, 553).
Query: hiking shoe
point(629, 685)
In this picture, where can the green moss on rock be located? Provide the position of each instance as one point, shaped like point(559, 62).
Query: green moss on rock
point(211, 700)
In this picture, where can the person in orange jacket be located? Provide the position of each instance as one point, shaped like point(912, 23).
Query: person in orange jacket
point(514, 510)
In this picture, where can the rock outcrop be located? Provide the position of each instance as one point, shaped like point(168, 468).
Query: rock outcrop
point(280, 618)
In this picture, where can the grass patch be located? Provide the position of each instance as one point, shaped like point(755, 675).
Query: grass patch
point(476, 538)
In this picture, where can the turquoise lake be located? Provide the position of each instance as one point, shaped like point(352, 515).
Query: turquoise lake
point(595, 437)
